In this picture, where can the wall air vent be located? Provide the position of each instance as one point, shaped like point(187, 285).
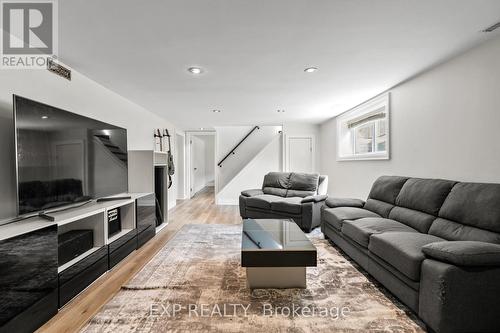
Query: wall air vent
point(492, 28)
point(58, 69)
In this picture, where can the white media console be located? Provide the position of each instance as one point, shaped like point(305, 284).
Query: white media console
point(33, 245)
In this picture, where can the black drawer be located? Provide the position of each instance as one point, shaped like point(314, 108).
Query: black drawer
point(122, 247)
point(28, 280)
point(79, 276)
point(34, 316)
point(145, 235)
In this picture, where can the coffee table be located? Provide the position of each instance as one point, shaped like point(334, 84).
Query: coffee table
point(275, 253)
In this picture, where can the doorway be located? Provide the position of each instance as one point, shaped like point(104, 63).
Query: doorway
point(201, 162)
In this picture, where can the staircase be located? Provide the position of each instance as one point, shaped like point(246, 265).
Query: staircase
point(246, 154)
point(112, 148)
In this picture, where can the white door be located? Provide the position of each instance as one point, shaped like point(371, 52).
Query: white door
point(197, 165)
point(300, 154)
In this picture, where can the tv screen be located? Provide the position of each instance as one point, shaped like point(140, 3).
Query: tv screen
point(64, 158)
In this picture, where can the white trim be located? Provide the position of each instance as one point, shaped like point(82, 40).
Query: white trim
point(227, 202)
point(189, 135)
point(179, 158)
point(343, 119)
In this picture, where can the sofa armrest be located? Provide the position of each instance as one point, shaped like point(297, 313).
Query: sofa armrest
point(344, 202)
point(252, 193)
point(314, 198)
point(464, 253)
point(459, 299)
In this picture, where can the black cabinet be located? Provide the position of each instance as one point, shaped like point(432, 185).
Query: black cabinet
point(80, 275)
point(122, 247)
point(145, 219)
point(28, 280)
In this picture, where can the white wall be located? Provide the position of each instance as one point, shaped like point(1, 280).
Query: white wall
point(180, 165)
point(227, 137)
point(250, 177)
point(209, 160)
point(444, 124)
point(304, 129)
point(80, 95)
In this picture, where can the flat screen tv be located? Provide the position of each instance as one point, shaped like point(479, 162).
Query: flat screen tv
point(64, 158)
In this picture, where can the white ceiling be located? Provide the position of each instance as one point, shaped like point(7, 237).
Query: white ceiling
point(254, 52)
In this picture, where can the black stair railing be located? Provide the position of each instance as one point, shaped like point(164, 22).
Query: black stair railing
point(232, 152)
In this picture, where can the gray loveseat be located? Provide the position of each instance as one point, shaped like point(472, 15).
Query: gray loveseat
point(433, 243)
point(298, 196)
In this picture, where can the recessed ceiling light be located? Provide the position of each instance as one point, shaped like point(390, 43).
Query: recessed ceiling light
point(45, 117)
point(310, 69)
point(201, 128)
point(195, 70)
point(216, 111)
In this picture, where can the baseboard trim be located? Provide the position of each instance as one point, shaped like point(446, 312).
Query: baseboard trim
point(226, 202)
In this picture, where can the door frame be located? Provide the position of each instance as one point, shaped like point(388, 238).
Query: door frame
point(189, 158)
point(182, 170)
point(287, 149)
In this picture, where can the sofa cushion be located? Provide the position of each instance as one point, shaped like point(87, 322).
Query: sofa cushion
point(280, 192)
point(344, 202)
point(425, 195)
point(402, 250)
point(361, 230)
point(251, 193)
point(262, 201)
point(386, 188)
point(304, 181)
point(303, 184)
point(382, 208)
point(474, 204)
point(465, 253)
point(453, 231)
point(314, 198)
point(277, 179)
point(336, 216)
point(276, 183)
point(413, 218)
point(288, 205)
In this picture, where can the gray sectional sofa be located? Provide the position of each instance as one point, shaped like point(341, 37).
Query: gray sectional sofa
point(433, 243)
point(298, 196)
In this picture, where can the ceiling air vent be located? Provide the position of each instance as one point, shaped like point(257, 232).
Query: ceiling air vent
point(492, 28)
point(58, 69)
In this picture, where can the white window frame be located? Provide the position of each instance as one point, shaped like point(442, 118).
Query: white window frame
point(345, 135)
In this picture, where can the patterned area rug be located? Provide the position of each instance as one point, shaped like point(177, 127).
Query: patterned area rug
point(195, 284)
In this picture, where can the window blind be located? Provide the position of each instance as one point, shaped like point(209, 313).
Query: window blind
point(373, 115)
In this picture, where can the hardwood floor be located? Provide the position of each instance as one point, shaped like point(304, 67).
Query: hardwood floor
point(201, 209)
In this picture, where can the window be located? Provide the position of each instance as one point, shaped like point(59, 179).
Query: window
point(363, 133)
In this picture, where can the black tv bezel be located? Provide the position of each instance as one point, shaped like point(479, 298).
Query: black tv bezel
point(57, 207)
